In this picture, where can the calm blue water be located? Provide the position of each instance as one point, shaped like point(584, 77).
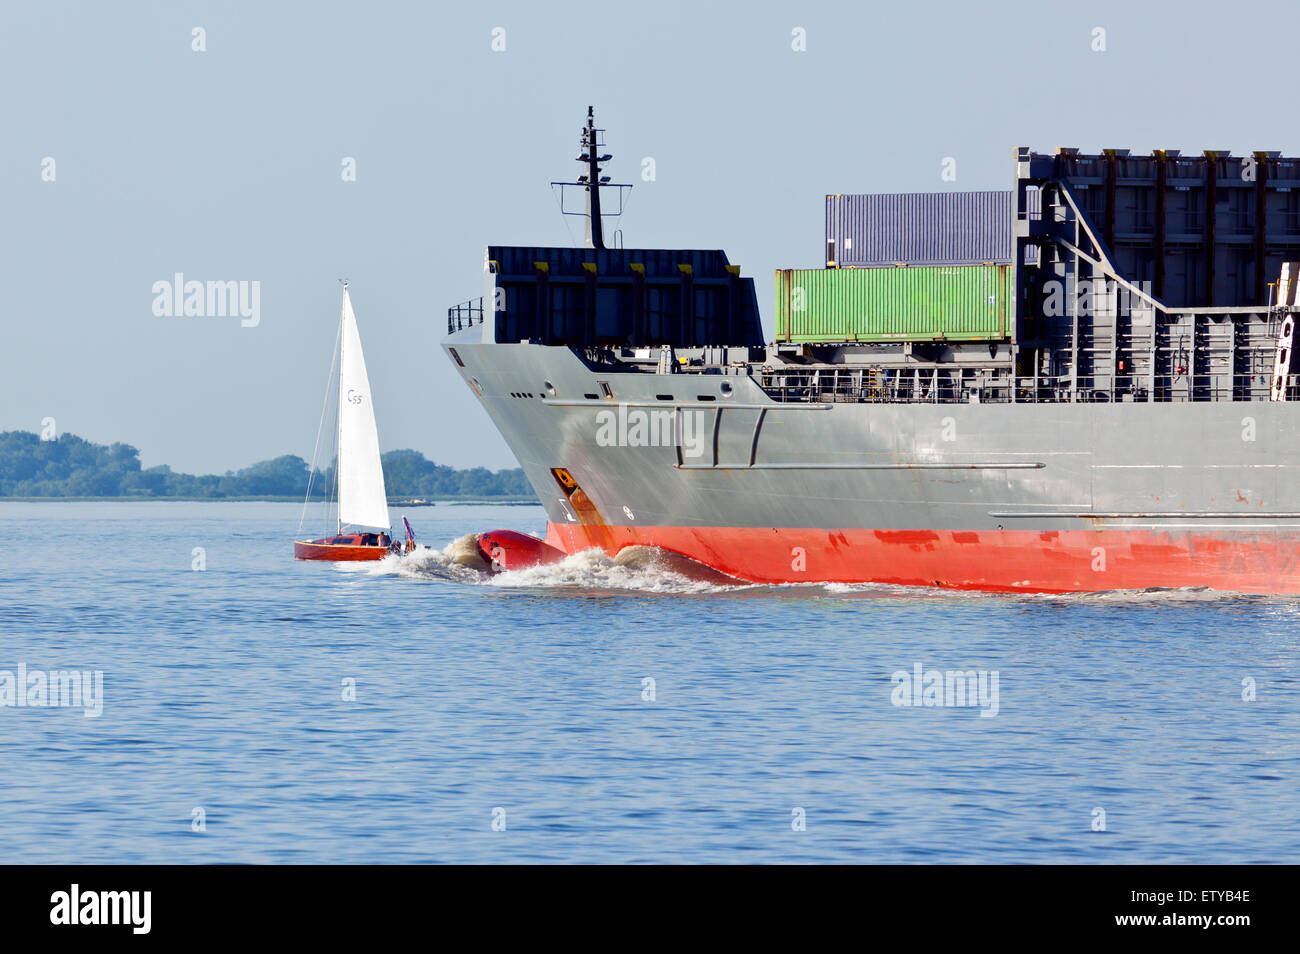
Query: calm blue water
point(223, 691)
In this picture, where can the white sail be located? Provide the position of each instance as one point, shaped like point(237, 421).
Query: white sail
point(363, 501)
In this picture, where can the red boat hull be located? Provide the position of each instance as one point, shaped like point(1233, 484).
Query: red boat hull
point(1263, 561)
point(511, 550)
point(343, 548)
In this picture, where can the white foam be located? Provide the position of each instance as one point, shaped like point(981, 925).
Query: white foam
point(641, 569)
point(882, 589)
point(1186, 594)
point(593, 569)
point(459, 561)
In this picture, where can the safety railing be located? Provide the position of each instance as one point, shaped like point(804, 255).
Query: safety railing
point(464, 315)
point(828, 386)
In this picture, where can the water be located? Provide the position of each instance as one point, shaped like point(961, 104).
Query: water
point(223, 692)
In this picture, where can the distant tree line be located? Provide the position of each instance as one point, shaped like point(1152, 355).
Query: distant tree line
point(73, 467)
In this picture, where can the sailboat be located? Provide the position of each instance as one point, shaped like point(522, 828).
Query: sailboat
point(363, 526)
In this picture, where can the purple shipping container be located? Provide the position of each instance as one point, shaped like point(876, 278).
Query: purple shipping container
point(922, 228)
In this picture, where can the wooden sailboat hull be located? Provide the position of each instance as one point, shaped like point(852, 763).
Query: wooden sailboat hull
point(345, 548)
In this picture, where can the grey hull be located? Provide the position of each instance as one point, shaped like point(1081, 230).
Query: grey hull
point(1207, 491)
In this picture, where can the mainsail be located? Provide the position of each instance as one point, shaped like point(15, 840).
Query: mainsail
point(363, 501)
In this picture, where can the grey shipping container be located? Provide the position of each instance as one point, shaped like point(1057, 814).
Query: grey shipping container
point(921, 228)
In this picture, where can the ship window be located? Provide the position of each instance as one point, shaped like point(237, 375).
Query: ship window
point(456, 357)
point(663, 397)
point(706, 397)
point(609, 393)
point(592, 397)
point(550, 388)
point(726, 389)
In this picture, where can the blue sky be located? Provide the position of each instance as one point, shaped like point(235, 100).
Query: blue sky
point(225, 165)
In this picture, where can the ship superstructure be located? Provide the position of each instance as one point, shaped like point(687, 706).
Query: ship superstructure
point(1110, 408)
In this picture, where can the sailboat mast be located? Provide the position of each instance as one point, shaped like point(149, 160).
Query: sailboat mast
point(338, 437)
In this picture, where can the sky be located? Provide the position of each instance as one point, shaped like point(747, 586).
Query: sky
point(227, 163)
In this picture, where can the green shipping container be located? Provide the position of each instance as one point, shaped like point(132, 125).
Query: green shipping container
point(914, 303)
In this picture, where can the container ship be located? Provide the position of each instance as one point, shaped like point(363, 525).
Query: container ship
point(1082, 383)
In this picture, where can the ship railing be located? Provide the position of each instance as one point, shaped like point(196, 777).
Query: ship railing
point(465, 315)
point(874, 385)
point(1141, 388)
point(867, 385)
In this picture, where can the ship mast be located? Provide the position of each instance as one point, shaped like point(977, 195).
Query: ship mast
point(591, 182)
point(592, 159)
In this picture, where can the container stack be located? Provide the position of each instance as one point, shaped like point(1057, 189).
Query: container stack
point(920, 266)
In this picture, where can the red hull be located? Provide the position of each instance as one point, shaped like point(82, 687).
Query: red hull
point(325, 550)
point(1262, 561)
point(511, 550)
